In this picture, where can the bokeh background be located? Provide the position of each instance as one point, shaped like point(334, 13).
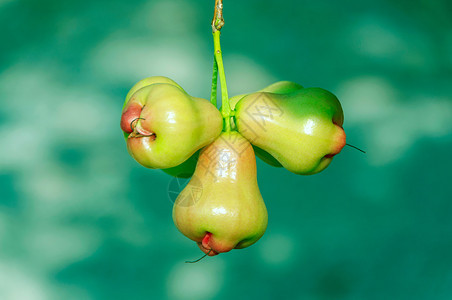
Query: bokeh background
point(80, 219)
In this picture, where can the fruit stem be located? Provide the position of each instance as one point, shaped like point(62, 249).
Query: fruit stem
point(213, 93)
point(217, 24)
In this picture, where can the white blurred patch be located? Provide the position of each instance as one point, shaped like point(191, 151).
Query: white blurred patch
point(22, 146)
point(277, 250)
point(20, 282)
point(196, 281)
point(17, 283)
point(392, 125)
point(244, 75)
point(44, 112)
point(49, 188)
point(122, 60)
point(377, 38)
point(155, 16)
point(366, 99)
point(45, 105)
point(393, 43)
point(86, 114)
point(53, 248)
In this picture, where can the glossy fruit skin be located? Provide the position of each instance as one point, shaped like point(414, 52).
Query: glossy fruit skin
point(149, 81)
point(280, 87)
point(164, 126)
point(302, 129)
point(221, 208)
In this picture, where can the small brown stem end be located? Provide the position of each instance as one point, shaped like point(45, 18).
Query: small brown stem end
point(218, 21)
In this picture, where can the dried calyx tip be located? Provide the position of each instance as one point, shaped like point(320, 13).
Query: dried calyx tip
point(136, 119)
point(356, 148)
point(138, 132)
point(195, 261)
point(218, 21)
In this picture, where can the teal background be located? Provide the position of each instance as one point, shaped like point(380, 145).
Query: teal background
point(80, 219)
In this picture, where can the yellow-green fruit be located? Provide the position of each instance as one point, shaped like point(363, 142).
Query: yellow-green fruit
point(221, 208)
point(164, 126)
point(148, 81)
point(302, 129)
point(280, 87)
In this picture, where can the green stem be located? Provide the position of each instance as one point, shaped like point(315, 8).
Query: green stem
point(213, 94)
point(225, 108)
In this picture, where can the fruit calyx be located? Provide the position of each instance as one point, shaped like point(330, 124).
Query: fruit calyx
point(209, 246)
point(131, 123)
point(139, 131)
point(339, 140)
point(205, 247)
point(130, 116)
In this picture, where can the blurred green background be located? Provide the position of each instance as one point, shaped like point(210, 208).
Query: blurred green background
point(80, 219)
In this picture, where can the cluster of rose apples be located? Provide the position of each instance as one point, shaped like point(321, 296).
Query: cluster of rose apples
point(221, 208)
